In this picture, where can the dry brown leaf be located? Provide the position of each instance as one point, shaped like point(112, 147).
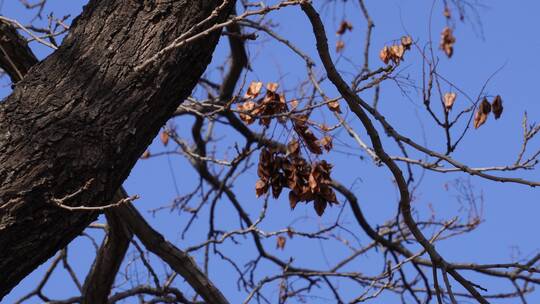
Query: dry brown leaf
point(319, 205)
point(301, 128)
point(294, 104)
point(293, 147)
point(406, 42)
point(290, 232)
point(343, 27)
point(397, 52)
point(449, 99)
point(385, 54)
point(326, 143)
point(164, 138)
point(280, 242)
point(261, 187)
point(254, 89)
point(482, 113)
point(447, 13)
point(247, 107)
point(272, 87)
point(340, 45)
point(447, 41)
point(293, 199)
point(334, 106)
point(497, 106)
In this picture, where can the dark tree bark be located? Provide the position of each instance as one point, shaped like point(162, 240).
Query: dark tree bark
point(77, 123)
point(11, 43)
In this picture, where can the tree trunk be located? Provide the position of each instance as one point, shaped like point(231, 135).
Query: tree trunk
point(76, 124)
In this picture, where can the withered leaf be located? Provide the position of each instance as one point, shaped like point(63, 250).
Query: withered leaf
point(312, 142)
point(319, 205)
point(385, 55)
point(290, 232)
point(280, 242)
point(334, 106)
point(314, 181)
point(294, 104)
point(447, 41)
point(343, 27)
point(293, 199)
point(247, 107)
point(293, 147)
point(328, 194)
point(497, 106)
point(449, 99)
point(397, 52)
point(277, 185)
point(301, 128)
point(482, 113)
point(164, 136)
point(406, 42)
point(261, 187)
point(446, 12)
point(340, 45)
point(326, 142)
point(272, 87)
point(254, 89)
point(265, 164)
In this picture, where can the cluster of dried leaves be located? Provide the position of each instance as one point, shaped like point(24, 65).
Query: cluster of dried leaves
point(395, 52)
point(343, 28)
point(265, 108)
point(485, 108)
point(307, 182)
point(447, 41)
point(482, 113)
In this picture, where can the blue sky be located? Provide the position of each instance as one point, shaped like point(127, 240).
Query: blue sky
point(505, 40)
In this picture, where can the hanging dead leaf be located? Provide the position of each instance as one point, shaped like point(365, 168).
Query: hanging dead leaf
point(164, 138)
point(146, 154)
point(254, 89)
point(326, 143)
point(482, 113)
point(290, 232)
point(343, 27)
point(385, 54)
point(272, 87)
point(447, 13)
point(261, 187)
point(294, 104)
point(293, 199)
point(406, 42)
point(280, 242)
point(340, 45)
point(301, 128)
point(319, 205)
point(447, 41)
point(397, 52)
point(293, 147)
point(334, 106)
point(449, 99)
point(248, 108)
point(497, 106)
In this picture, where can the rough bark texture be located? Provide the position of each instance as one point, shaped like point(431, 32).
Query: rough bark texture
point(16, 58)
point(83, 116)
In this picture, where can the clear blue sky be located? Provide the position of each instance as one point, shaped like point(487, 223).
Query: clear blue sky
point(506, 38)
